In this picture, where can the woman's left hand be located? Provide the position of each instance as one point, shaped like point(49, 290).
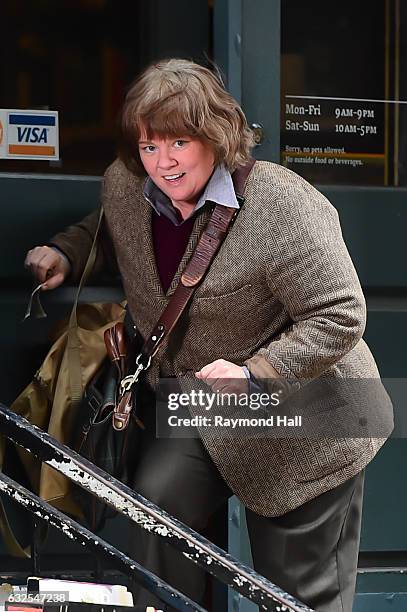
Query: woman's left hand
point(224, 376)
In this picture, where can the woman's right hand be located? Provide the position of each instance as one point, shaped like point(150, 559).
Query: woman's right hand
point(49, 266)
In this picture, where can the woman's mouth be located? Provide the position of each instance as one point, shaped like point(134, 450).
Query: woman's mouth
point(174, 178)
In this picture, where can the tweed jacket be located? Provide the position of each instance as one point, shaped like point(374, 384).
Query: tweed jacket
point(282, 292)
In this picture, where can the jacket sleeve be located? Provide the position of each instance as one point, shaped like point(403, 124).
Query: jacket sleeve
point(309, 270)
point(76, 242)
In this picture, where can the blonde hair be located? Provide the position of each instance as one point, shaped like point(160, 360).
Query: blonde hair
point(177, 97)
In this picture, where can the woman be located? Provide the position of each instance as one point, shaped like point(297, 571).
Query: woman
point(281, 299)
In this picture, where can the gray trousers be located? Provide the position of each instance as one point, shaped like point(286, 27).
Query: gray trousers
point(310, 552)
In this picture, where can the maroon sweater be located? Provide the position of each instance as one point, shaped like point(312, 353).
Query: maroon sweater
point(170, 242)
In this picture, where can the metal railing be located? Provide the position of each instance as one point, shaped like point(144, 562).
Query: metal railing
point(141, 511)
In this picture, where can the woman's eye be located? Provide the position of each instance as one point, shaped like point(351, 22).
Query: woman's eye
point(180, 143)
point(148, 148)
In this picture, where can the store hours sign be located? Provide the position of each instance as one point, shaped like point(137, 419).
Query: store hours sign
point(336, 140)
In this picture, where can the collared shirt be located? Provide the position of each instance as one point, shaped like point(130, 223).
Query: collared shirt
point(219, 190)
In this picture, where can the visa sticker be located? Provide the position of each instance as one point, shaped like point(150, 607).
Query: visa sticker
point(29, 134)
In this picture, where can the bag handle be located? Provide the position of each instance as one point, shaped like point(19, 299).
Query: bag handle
point(6, 532)
point(73, 342)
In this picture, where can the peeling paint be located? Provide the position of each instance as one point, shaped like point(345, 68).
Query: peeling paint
point(147, 516)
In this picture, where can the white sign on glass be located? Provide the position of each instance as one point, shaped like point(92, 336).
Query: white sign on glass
point(29, 134)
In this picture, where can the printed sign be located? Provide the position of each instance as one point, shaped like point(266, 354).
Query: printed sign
point(29, 134)
point(335, 140)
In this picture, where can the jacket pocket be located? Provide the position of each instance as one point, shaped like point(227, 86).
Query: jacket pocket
point(205, 301)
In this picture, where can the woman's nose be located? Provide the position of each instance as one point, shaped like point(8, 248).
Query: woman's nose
point(166, 159)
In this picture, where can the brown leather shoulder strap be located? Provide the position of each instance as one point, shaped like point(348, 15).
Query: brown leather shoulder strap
point(240, 176)
point(208, 245)
point(201, 259)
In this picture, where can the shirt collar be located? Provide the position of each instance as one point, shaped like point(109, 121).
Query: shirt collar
point(219, 189)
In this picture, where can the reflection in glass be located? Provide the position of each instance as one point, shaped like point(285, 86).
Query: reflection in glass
point(341, 80)
point(79, 56)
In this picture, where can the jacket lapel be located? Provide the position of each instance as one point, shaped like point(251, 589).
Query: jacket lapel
point(147, 248)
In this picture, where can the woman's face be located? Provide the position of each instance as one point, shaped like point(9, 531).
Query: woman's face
point(180, 167)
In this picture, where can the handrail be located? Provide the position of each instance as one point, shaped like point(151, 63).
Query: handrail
point(147, 515)
point(76, 532)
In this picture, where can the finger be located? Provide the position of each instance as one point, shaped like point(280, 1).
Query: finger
point(213, 368)
point(33, 256)
point(212, 379)
point(53, 282)
point(203, 372)
point(27, 260)
point(47, 266)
